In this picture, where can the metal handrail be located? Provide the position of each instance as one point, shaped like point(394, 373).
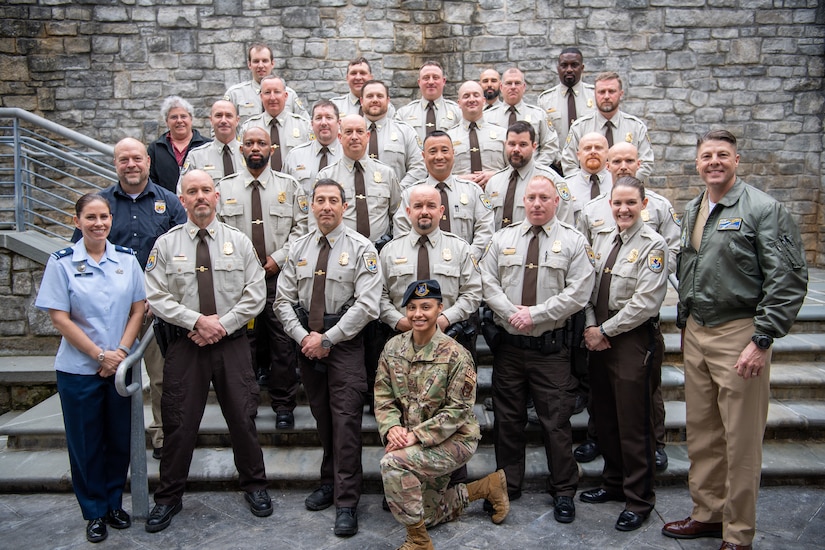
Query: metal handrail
point(140, 476)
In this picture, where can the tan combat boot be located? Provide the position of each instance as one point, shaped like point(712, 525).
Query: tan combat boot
point(417, 538)
point(493, 488)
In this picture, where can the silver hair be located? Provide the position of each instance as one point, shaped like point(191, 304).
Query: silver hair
point(174, 101)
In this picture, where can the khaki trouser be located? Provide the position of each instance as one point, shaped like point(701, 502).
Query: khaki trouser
point(153, 361)
point(726, 417)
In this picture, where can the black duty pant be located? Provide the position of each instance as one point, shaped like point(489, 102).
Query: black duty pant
point(335, 387)
point(187, 373)
point(623, 380)
point(280, 349)
point(517, 373)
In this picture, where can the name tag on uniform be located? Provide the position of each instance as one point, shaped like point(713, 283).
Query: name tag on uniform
point(729, 224)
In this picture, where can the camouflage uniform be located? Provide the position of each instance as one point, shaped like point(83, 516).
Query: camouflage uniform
point(430, 392)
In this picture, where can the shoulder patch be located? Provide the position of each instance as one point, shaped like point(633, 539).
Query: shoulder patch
point(469, 382)
point(62, 253)
point(656, 260)
point(153, 260)
point(590, 254)
point(125, 250)
point(564, 191)
point(677, 219)
point(485, 200)
point(371, 261)
point(303, 203)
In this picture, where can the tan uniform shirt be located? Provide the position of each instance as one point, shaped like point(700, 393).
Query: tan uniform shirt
point(172, 283)
point(246, 97)
point(490, 142)
point(470, 212)
point(302, 162)
point(292, 129)
point(628, 128)
point(383, 193)
point(353, 278)
point(659, 215)
point(283, 203)
point(414, 113)
point(548, 141)
point(209, 158)
point(398, 148)
point(497, 191)
point(554, 103)
point(639, 277)
point(451, 264)
point(565, 277)
point(579, 186)
point(348, 105)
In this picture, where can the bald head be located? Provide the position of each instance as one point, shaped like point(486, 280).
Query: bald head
point(592, 153)
point(425, 209)
point(132, 165)
point(471, 100)
point(623, 160)
point(353, 136)
point(490, 82)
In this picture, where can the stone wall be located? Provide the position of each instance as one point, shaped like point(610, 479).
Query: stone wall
point(753, 66)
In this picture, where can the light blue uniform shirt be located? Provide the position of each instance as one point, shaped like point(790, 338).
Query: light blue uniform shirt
point(98, 297)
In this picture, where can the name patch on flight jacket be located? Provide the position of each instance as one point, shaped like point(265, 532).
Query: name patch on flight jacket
point(729, 224)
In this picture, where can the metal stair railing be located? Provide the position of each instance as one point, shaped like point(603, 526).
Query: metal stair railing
point(44, 169)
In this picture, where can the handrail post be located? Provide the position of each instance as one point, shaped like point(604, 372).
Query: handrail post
point(140, 478)
point(19, 209)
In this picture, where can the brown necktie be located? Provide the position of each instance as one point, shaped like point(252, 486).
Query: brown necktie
point(317, 306)
point(228, 166)
point(324, 158)
point(258, 241)
point(600, 310)
point(360, 108)
point(475, 150)
point(206, 288)
point(423, 258)
point(362, 215)
point(275, 159)
point(373, 141)
point(444, 224)
point(594, 186)
point(512, 111)
point(510, 200)
point(531, 269)
point(608, 133)
point(430, 118)
point(571, 106)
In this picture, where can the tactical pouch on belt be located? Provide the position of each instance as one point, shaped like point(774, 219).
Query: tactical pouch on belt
point(161, 335)
point(552, 341)
point(490, 331)
point(303, 316)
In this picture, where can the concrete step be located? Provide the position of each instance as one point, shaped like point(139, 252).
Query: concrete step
point(41, 427)
point(298, 467)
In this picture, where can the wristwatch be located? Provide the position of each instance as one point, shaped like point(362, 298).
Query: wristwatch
point(762, 341)
point(326, 343)
point(101, 356)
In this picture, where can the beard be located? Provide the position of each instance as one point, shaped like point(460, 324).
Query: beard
point(491, 94)
point(257, 164)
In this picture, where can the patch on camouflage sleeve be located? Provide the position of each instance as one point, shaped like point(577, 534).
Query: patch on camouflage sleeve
point(469, 382)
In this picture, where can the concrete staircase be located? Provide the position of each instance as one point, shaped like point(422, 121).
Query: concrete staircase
point(34, 457)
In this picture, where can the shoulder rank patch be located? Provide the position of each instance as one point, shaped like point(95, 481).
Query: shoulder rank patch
point(676, 218)
point(62, 253)
point(590, 255)
point(469, 383)
point(371, 261)
point(303, 203)
point(564, 191)
point(153, 260)
point(125, 250)
point(729, 224)
point(656, 260)
point(485, 200)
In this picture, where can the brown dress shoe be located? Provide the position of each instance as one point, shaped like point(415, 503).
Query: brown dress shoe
point(689, 528)
point(730, 546)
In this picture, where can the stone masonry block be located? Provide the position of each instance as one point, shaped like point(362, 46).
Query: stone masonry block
point(178, 17)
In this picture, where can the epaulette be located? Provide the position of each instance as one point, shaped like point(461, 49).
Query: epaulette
point(125, 250)
point(62, 253)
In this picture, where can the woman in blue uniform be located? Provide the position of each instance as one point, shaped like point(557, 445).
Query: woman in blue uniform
point(94, 294)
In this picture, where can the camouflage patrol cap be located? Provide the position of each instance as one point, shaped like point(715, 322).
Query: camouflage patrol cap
point(428, 288)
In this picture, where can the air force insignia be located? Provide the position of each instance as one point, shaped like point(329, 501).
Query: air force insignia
point(371, 261)
point(729, 224)
point(656, 261)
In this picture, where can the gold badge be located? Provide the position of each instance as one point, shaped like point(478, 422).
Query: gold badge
point(556, 246)
point(450, 115)
point(528, 118)
point(376, 177)
point(393, 137)
point(228, 248)
point(629, 138)
point(343, 259)
point(493, 135)
point(296, 133)
point(589, 103)
point(282, 197)
point(446, 255)
point(633, 256)
point(645, 215)
point(464, 199)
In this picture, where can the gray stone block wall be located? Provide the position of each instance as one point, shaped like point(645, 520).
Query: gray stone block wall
point(753, 66)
